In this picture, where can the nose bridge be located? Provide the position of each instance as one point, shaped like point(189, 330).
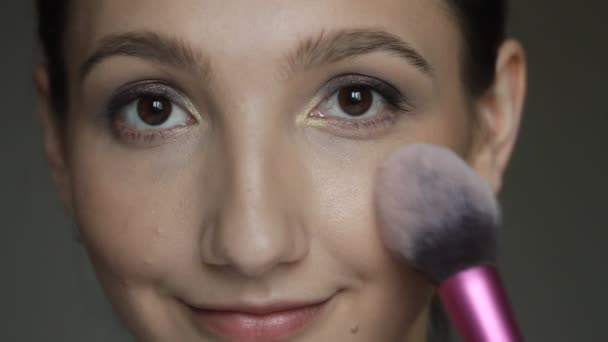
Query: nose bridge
point(256, 228)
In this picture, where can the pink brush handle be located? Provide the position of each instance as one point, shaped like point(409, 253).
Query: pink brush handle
point(478, 306)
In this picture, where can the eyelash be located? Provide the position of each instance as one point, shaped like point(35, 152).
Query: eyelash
point(131, 92)
point(126, 95)
point(388, 91)
point(396, 102)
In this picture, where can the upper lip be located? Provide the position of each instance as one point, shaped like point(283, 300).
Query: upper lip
point(261, 308)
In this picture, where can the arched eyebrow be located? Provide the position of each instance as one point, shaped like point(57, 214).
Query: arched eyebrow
point(146, 45)
point(312, 52)
point(327, 48)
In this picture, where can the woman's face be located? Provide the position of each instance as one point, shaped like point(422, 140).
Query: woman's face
point(221, 157)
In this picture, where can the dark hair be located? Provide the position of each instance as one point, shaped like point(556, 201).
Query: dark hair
point(483, 29)
point(482, 22)
point(483, 25)
point(52, 23)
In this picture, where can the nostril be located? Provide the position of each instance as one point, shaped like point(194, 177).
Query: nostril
point(256, 253)
point(210, 249)
point(253, 249)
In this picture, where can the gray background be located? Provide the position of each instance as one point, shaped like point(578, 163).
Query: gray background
point(553, 250)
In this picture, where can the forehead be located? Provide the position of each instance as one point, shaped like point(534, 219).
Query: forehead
point(223, 28)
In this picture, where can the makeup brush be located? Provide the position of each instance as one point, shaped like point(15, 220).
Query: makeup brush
point(442, 218)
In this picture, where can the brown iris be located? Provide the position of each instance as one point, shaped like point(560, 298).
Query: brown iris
point(154, 110)
point(356, 100)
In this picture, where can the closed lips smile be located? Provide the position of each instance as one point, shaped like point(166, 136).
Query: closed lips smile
point(262, 323)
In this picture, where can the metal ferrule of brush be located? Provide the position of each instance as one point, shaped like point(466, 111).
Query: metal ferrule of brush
point(477, 303)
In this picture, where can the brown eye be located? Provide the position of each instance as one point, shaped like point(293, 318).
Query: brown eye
point(154, 110)
point(356, 100)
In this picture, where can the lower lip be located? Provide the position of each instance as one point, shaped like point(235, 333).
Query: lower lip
point(275, 326)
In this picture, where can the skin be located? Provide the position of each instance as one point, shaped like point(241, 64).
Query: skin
point(254, 200)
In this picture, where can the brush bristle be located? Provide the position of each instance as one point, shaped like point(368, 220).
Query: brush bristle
point(435, 211)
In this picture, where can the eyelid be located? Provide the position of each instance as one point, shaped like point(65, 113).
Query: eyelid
point(130, 92)
point(385, 89)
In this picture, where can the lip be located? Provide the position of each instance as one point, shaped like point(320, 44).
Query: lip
point(272, 322)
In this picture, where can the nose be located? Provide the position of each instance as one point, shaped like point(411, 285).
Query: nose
point(258, 225)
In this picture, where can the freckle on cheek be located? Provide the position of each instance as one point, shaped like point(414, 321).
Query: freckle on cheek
point(354, 329)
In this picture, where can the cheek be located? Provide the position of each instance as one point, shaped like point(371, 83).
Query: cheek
point(129, 209)
point(347, 217)
point(344, 171)
point(344, 180)
point(342, 177)
point(448, 123)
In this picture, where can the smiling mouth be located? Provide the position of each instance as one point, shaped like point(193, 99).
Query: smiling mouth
point(263, 323)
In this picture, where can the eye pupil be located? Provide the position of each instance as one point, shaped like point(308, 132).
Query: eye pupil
point(154, 110)
point(355, 101)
